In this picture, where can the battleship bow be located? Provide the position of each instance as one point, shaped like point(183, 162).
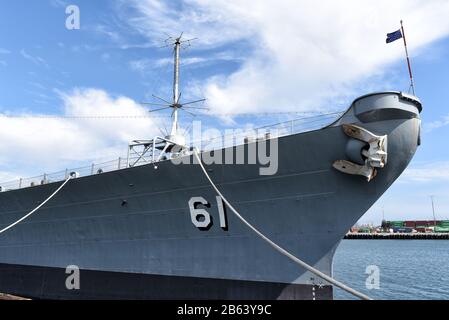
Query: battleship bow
point(154, 229)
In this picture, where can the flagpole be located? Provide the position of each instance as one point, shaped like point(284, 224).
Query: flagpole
point(412, 85)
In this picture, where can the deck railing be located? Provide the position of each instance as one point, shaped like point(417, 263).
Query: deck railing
point(285, 128)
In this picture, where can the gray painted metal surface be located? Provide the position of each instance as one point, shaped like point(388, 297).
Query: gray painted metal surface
point(137, 220)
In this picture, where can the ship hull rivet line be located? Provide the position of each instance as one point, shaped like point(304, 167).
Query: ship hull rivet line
point(277, 247)
point(39, 206)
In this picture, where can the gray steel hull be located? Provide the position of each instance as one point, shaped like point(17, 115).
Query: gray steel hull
point(137, 221)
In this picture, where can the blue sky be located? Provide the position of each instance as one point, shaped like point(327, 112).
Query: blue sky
point(263, 58)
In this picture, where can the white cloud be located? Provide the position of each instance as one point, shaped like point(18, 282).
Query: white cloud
point(8, 176)
point(104, 30)
point(4, 51)
point(58, 3)
point(409, 197)
point(34, 59)
point(186, 61)
point(105, 57)
point(52, 144)
point(427, 172)
point(213, 24)
point(143, 65)
point(303, 54)
point(140, 65)
point(37, 85)
point(428, 127)
point(83, 47)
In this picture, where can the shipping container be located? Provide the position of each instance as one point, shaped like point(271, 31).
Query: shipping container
point(441, 229)
point(443, 223)
point(421, 223)
point(396, 223)
point(402, 230)
point(409, 224)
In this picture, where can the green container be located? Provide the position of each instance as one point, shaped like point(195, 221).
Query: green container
point(364, 230)
point(444, 224)
point(441, 229)
point(397, 223)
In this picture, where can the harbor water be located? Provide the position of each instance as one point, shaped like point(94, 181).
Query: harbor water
point(406, 269)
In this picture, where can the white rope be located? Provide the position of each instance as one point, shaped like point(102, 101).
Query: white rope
point(277, 247)
point(38, 207)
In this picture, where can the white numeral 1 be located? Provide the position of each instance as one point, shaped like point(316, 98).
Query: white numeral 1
point(221, 213)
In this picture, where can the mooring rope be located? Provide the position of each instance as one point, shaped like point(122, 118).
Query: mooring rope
point(277, 247)
point(38, 207)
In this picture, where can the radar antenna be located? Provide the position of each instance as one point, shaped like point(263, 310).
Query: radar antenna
point(175, 138)
point(176, 104)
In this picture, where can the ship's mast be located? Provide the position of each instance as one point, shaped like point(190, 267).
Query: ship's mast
point(175, 136)
point(146, 149)
point(174, 129)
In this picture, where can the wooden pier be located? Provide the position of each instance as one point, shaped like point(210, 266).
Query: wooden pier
point(397, 236)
